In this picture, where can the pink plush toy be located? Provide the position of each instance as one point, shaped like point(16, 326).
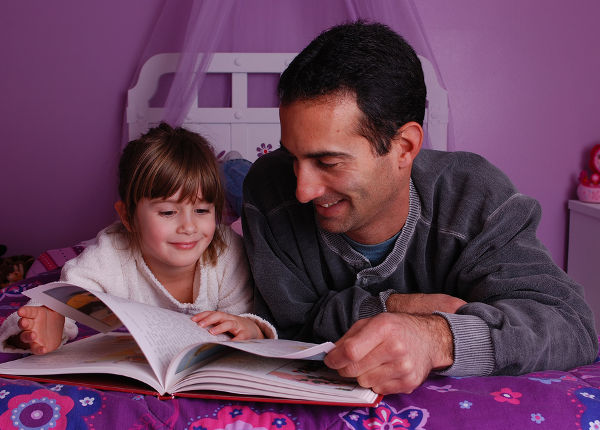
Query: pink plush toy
point(589, 186)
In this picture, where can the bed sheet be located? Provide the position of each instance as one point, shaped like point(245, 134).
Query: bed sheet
point(551, 399)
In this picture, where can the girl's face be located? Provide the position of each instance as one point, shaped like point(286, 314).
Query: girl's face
point(173, 235)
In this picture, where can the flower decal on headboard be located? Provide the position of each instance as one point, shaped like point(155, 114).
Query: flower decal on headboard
point(263, 149)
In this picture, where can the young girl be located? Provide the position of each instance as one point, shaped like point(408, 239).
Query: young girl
point(168, 250)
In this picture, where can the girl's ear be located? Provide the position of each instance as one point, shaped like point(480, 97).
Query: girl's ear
point(120, 208)
point(409, 141)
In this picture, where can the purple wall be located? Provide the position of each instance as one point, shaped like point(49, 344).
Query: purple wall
point(523, 87)
point(64, 72)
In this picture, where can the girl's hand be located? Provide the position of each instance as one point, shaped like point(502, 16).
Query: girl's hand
point(240, 327)
point(41, 327)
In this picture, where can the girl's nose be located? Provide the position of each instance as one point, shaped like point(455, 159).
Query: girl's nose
point(186, 225)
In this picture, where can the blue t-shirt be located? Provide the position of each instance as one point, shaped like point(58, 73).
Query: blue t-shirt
point(374, 253)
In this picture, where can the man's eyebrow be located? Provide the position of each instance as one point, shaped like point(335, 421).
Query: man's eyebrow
point(318, 154)
point(323, 154)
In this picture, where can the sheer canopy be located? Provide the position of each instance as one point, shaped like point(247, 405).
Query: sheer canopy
point(198, 28)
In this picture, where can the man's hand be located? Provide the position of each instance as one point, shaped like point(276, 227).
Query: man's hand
point(393, 352)
point(240, 327)
point(41, 329)
point(419, 303)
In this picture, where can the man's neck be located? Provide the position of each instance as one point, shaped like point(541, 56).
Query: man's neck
point(389, 224)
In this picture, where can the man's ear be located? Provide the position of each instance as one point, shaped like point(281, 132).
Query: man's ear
point(120, 208)
point(409, 140)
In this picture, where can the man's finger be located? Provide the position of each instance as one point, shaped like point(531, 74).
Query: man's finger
point(368, 365)
point(363, 337)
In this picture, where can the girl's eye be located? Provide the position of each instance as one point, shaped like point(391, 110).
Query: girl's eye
point(202, 211)
point(166, 213)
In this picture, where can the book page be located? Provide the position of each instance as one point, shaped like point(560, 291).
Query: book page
point(115, 353)
point(160, 333)
point(243, 373)
point(76, 303)
point(283, 348)
point(173, 344)
point(195, 356)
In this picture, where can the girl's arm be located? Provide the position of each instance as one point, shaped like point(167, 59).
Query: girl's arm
point(240, 327)
point(236, 287)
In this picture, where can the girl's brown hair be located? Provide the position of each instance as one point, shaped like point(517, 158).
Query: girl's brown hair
point(163, 161)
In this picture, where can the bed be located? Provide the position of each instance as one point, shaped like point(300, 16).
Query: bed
point(550, 399)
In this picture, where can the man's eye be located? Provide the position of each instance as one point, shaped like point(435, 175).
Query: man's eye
point(327, 165)
point(166, 213)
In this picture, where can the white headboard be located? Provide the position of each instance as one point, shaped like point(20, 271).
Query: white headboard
point(246, 129)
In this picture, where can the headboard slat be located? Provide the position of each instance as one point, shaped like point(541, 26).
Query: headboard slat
point(251, 130)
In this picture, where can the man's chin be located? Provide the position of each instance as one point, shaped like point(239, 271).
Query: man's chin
point(331, 225)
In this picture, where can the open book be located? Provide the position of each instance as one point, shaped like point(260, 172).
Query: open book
point(168, 352)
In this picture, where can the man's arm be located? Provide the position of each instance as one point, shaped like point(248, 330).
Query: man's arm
point(393, 352)
point(483, 239)
point(536, 316)
point(419, 303)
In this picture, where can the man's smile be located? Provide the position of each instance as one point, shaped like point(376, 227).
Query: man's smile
point(327, 205)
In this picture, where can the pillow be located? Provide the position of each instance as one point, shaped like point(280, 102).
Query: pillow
point(54, 259)
point(234, 172)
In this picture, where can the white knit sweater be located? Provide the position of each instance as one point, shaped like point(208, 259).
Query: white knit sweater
point(110, 265)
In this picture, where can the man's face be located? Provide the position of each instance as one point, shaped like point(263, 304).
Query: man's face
point(353, 190)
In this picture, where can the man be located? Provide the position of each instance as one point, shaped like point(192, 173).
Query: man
point(412, 260)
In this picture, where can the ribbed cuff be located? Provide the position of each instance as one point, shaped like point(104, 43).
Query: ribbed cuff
point(473, 349)
point(374, 305)
point(383, 296)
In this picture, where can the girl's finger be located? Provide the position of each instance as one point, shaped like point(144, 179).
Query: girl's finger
point(224, 327)
point(200, 316)
point(212, 319)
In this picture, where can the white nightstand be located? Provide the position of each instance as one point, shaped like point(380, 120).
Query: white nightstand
point(583, 264)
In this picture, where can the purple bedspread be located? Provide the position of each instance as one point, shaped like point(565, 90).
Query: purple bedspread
point(550, 400)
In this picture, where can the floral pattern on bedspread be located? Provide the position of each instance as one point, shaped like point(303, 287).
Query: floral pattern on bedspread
point(542, 400)
point(244, 417)
point(30, 406)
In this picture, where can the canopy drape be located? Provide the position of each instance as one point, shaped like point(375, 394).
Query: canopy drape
point(198, 28)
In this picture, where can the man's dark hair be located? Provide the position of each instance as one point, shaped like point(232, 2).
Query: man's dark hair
point(370, 61)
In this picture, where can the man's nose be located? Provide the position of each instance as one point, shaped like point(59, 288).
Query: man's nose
point(308, 184)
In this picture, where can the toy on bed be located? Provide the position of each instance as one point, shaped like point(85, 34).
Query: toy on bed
point(588, 189)
point(13, 268)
